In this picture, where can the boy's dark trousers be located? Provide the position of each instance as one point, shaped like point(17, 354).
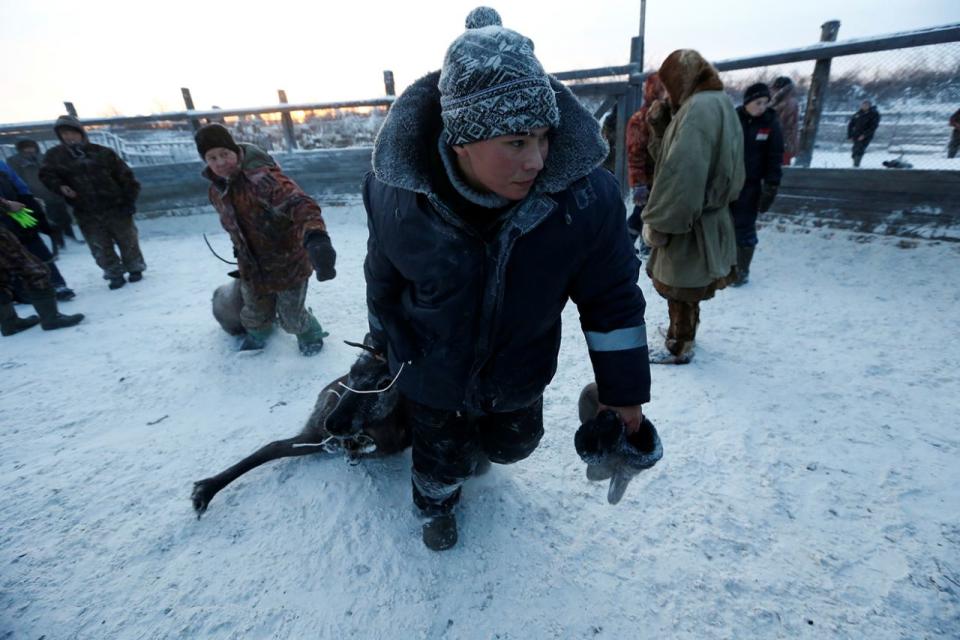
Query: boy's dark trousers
point(448, 444)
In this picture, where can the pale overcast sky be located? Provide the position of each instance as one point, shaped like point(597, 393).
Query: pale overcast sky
point(127, 57)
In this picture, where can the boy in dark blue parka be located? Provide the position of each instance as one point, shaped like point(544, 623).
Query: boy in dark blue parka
point(487, 211)
point(762, 156)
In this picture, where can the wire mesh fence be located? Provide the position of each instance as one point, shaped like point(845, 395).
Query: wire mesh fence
point(915, 91)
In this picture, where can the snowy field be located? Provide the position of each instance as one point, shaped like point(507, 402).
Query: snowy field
point(874, 158)
point(810, 486)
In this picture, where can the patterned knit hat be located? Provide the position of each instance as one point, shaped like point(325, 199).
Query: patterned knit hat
point(492, 83)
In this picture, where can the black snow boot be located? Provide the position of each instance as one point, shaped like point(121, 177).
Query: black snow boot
point(116, 283)
point(135, 276)
point(440, 532)
point(45, 303)
point(10, 322)
point(744, 258)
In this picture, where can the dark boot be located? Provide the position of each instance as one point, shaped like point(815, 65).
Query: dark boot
point(744, 258)
point(135, 276)
point(310, 340)
point(440, 532)
point(116, 283)
point(254, 340)
point(65, 293)
point(56, 237)
point(45, 303)
point(10, 323)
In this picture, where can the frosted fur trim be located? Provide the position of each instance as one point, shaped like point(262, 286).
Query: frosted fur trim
point(404, 148)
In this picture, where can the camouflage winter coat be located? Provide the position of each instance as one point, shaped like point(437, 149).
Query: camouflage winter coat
point(104, 184)
point(17, 262)
point(267, 216)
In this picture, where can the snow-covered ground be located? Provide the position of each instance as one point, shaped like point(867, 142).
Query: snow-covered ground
point(840, 159)
point(810, 485)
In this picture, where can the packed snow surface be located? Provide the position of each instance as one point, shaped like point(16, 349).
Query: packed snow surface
point(810, 486)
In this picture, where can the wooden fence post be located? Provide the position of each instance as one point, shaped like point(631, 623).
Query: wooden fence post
point(188, 103)
point(388, 85)
point(815, 97)
point(72, 110)
point(288, 134)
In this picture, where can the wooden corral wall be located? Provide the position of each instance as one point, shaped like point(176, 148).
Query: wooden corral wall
point(907, 203)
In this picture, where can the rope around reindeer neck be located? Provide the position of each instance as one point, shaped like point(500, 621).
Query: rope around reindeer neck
point(386, 388)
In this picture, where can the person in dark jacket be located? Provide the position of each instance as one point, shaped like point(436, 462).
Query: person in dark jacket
point(762, 155)
point(609, 133)
point(24, 217)
point(488, 209)
point(277, 232)
point(103, 191)
point(863, 124)
point(954, 145)
point(16, 263)
point(26, 163)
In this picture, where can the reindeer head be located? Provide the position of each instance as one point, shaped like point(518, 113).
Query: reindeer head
point(361, 403)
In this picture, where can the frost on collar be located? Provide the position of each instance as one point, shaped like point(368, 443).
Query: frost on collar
point(404, 151)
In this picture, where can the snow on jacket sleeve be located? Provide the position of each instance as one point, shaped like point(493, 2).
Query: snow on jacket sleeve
point(611, 309)
point(676, 200)
point(385, 286)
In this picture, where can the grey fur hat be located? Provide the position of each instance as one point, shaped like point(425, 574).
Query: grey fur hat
point(492, 84)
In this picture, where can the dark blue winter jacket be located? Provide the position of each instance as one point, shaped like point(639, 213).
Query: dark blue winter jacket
point(474, 317)
point(762, 146)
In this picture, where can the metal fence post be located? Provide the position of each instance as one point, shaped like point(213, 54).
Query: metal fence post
point(288, 133)
point(388, 85)
point(72, 110)
point(815, 97)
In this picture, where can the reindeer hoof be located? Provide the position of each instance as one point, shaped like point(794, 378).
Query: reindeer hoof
point(202, 494)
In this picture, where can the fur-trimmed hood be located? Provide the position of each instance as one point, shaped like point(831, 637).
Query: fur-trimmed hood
point(684, 73)
point(405, 149)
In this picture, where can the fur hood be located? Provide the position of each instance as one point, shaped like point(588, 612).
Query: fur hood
point(653, 89)
point(405, 149)
point(684, 73)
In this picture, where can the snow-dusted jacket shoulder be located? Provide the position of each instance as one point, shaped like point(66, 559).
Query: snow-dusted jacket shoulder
point(267, 216)
point(476, 321)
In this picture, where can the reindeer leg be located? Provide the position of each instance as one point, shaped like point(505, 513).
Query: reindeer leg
point(301, 445)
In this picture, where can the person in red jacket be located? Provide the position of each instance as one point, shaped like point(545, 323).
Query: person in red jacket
point(640, 159)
